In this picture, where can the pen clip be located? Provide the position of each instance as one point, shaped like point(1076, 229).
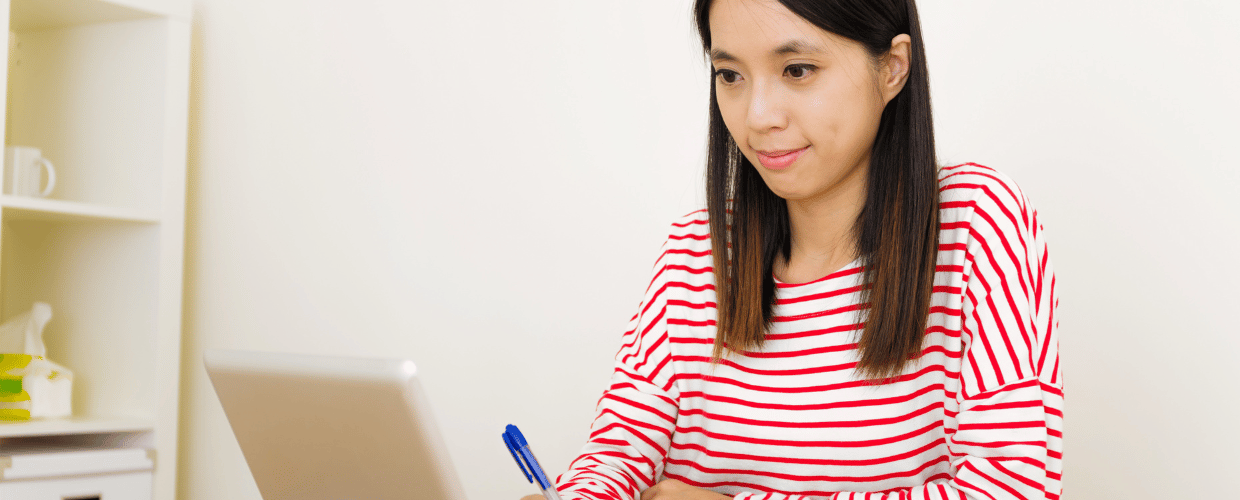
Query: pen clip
point(523, 450)
point(512, 448)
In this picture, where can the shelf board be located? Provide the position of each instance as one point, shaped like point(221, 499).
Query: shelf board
point(30, 15)
point(42, 209)
point(74, 425)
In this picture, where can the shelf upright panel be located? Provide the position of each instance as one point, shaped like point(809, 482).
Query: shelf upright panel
point(173, 159)
point(8, 61)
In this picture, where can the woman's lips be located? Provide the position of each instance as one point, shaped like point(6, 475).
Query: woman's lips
point(777, 160)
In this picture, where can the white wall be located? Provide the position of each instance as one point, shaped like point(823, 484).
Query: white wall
point(483, 187)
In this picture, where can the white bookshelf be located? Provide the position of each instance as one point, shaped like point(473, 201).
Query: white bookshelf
point(27, 208)
point(76, 425)
point(102, 87)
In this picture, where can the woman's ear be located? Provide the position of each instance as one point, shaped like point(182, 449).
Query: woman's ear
point(896, 67)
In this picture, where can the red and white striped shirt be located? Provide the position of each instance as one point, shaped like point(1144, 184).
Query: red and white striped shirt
point(978, 416)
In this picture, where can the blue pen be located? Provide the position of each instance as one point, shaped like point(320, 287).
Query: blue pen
point(520, 449)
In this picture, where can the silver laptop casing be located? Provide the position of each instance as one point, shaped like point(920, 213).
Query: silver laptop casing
point(333, 428)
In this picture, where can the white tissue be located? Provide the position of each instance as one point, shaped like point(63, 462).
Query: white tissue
point(49, 384)
point(24, 333)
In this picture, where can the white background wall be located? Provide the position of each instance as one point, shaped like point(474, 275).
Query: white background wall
point(483, 187)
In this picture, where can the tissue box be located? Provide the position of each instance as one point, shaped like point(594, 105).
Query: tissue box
point(34, 387)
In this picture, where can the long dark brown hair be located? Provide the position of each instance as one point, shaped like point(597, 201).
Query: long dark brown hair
point(896, 231)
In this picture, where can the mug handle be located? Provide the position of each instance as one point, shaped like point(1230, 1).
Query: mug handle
point(51, 176)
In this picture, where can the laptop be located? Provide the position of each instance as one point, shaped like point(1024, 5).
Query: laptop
point(333, 428)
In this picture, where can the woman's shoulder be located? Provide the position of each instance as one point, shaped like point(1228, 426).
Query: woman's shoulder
point(697, 219)
point(685, 261)
point(971, 183)
point(986, 207)
point(690, 233)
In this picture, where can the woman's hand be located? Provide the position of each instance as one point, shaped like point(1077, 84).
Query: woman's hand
point(671, 489)
point(668, 489)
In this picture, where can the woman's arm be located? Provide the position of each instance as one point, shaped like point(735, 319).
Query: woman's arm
point(636, 415)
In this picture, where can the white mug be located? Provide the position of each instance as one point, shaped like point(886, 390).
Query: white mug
point(23, 172)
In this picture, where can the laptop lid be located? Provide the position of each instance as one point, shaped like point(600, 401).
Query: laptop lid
point(333, 428)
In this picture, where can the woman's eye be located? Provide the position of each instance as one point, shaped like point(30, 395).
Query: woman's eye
point(723, 74)
point(799, 71)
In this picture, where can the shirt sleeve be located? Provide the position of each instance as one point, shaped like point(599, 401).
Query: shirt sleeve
point(1008, 441)
point(635, 417)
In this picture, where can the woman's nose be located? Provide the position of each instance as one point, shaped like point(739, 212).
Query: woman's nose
point(766, 108)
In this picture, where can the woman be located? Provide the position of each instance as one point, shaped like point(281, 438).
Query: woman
point(877, 327)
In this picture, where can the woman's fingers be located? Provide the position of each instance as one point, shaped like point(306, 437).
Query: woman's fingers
point(652, 493)
point(671, 489)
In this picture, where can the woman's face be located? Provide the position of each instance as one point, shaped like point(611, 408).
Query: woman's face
point(784, 84)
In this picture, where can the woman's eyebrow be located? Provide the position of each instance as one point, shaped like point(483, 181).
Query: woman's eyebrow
point(791, 47)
